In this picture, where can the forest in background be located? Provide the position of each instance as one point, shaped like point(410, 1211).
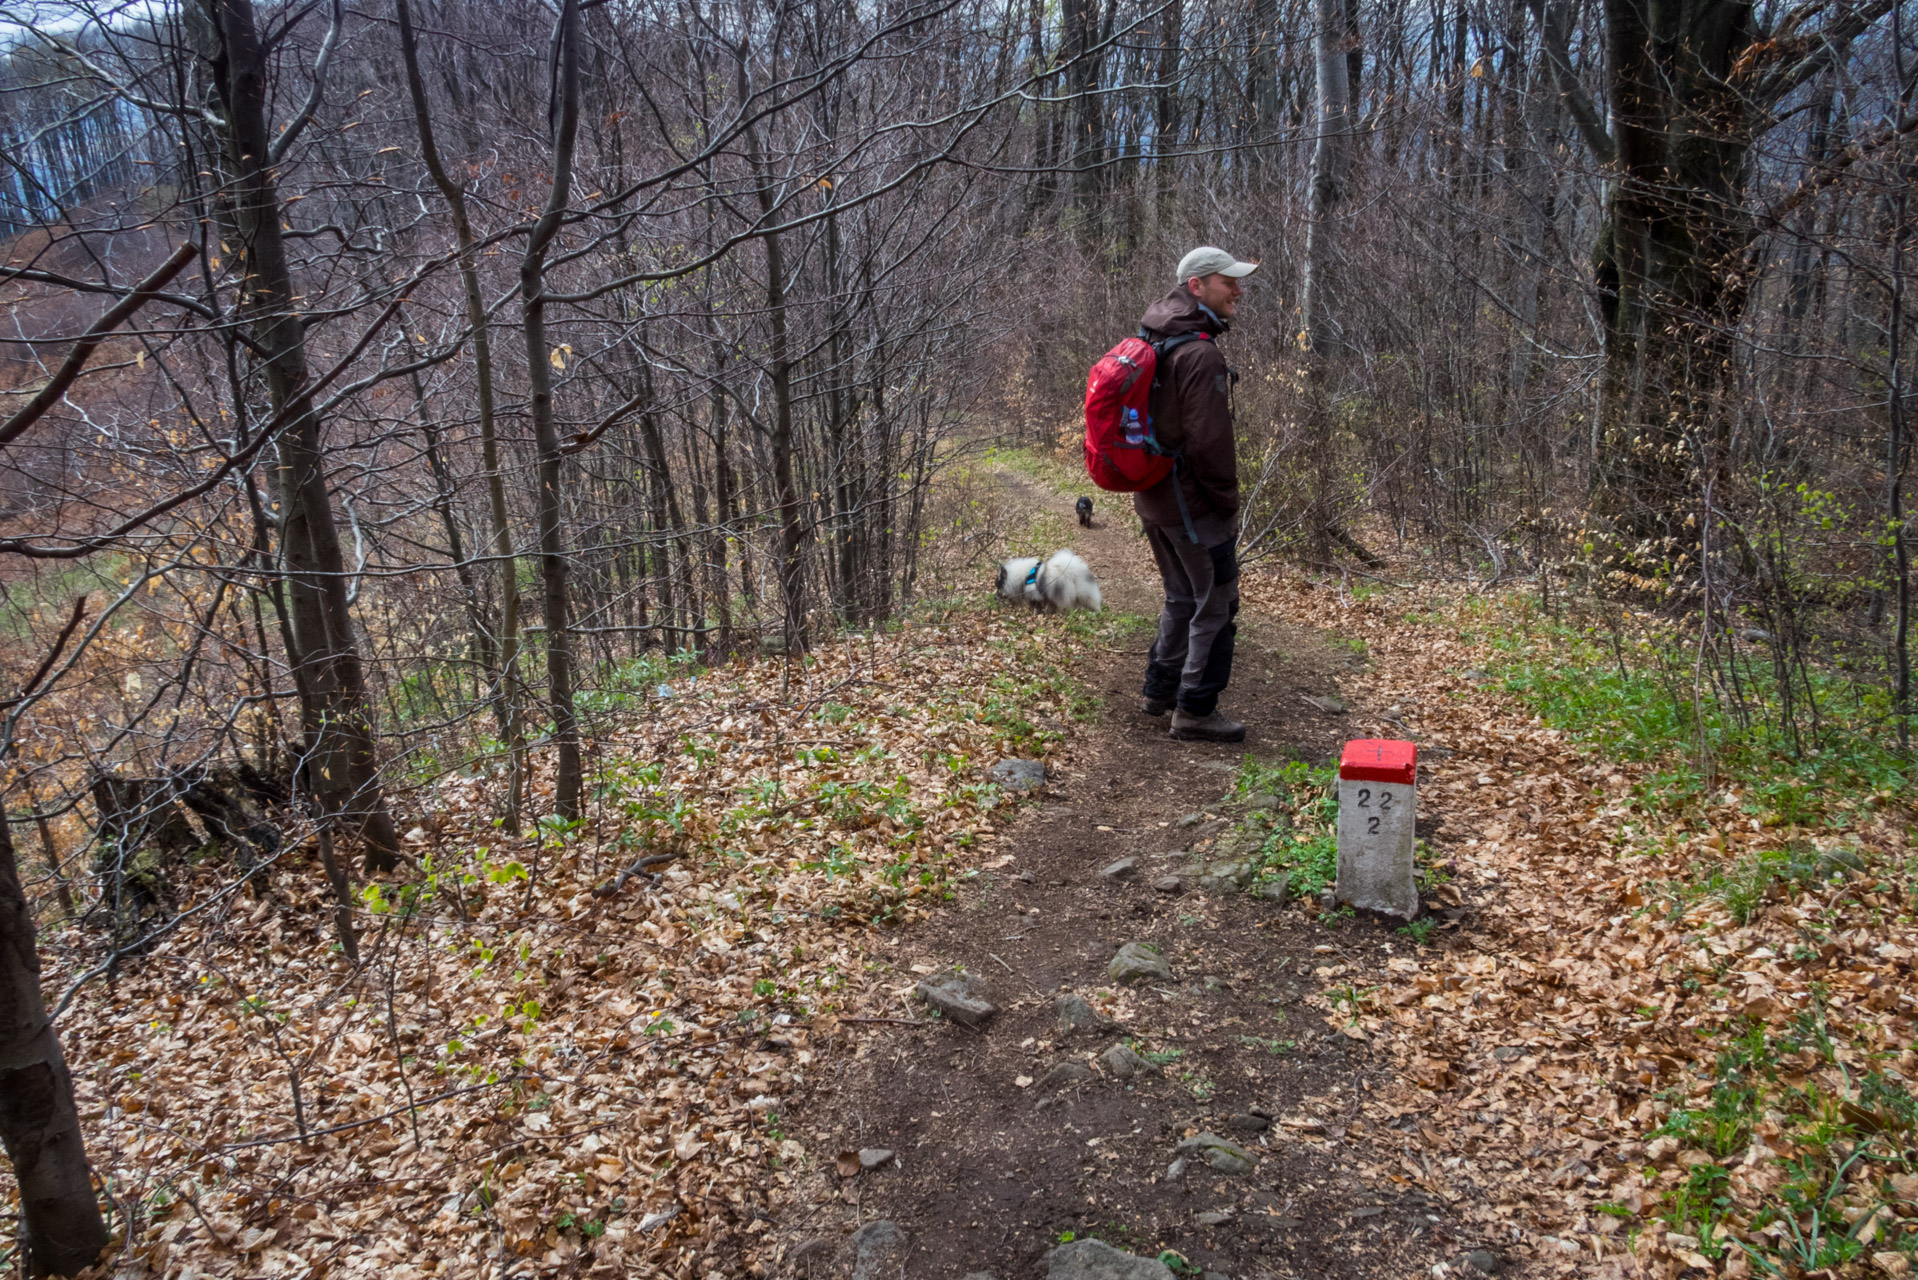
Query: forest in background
point(418, 389)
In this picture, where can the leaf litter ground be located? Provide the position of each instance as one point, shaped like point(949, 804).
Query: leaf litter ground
point(1636, 1040)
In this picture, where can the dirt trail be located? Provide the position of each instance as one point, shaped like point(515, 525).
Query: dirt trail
point(997, 1157)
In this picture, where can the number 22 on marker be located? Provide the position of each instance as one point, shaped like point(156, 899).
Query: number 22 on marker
point(1365, 802)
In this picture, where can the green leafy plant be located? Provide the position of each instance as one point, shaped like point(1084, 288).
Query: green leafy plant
point(1275, 1047)
point(1420, 930)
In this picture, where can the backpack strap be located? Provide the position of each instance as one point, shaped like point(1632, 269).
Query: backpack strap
point(1178, 491)
point(1163, 349)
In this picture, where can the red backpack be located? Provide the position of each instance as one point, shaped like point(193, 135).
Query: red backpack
point(1123, 453)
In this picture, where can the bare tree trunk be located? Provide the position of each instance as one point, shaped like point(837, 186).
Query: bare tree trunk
point(1897, 451)
point(61, 1231)
point(539, 375)
point(785, 487)
point(342, 763)
point(1165, 134)
point(505, 695)
point(1331, 160)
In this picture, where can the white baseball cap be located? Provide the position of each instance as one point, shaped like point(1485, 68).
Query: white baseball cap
point(1207, 260)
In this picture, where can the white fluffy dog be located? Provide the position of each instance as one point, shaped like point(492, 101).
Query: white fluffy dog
point(1061, 582)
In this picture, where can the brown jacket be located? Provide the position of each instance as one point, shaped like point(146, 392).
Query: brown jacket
point(1191, 411)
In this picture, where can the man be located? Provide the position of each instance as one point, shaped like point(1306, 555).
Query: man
point(1191, 661)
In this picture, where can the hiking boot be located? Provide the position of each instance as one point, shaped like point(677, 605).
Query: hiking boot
point(1187, 727)
point(1159, 706)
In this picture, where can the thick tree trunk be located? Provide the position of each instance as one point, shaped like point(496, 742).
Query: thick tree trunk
point(1692, 84)
point(342, 764)
point(1674, 224)
point(61, 1230)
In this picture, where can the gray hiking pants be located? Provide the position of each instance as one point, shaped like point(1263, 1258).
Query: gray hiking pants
point(1192, 656)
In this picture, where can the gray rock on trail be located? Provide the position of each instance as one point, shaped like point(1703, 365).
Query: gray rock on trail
point(1248, 1122)
point(871, 1158)
point(1839, 862)
point(1124, 1062)
point(816, 1247)
point(1119, 870)
point(1064, 1074)
point(1483, 1261)
point(1221, 1153)
point(1076, 1014)
point(958, 996)
point(1227, 875)
point(1176, 1171)
point(1019, 775)
point(979, 1275)
point(1139, 962)
point(1169, 884)
point(1277, 889)
point(659, 1219)
point(1262, 800)
point(1097, 1260)
point(879, 1251)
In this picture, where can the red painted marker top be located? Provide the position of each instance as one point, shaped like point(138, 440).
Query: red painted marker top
point(1380, 760)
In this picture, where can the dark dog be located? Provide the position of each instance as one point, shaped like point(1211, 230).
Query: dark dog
point(1084, 507)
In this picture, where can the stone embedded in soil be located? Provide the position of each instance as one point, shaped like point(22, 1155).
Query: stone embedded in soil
point(1221, 1153)
point(871, 1158)
point(1176, 1170)
point(1247, 1122)
point(660, 1219)
point(978, 1275)
point(812, 1248)
point(1075, 1014)
point(879, 1251)
point(1139, 962)
point(1263, 800)
point(1227, 875)
point(1839, 862)
point(1215, 1217)
point(1192, 819)
point(1019, 775)
point(1124, 1062)
point(959, 996)
point(1064, 1074)
point(1169, 884)
point(1483, 1261)
point(1097, 1260)
point(1119, 870)
point(1277, 889)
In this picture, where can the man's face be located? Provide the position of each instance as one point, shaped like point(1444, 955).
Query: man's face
point(1220, 293)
